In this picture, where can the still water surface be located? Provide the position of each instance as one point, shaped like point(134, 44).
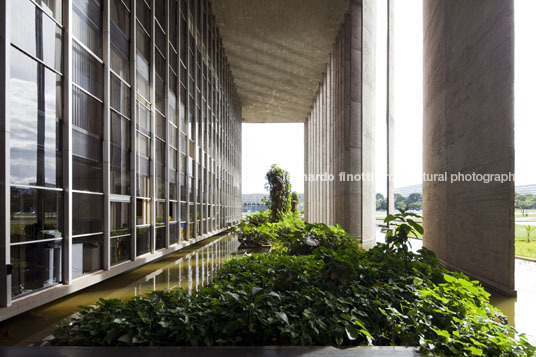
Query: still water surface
point(189, 268)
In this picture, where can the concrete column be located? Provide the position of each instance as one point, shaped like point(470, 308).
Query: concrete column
point(390, 108)
point(368, 126)
point(306, 168)
point(469, 94)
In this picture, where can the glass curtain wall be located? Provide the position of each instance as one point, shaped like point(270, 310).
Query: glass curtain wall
point(167, 114)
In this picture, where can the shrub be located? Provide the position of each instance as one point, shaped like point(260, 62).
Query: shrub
point(327, 293)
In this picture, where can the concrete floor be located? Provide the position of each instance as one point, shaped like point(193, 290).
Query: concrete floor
point(270, 351)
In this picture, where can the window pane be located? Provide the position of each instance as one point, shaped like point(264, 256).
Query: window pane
point(35, 266)
point(160, 213)
point(120, 155)
point(87, 254)
point(87, 213)
point(119, 218)
point(35, 214)
point(160, 85)
point(119, 37)
point(119, 249)
point(173, 233)
point(120, 96)
point(143, 52)
point(142, 166)
point(143, 212)
point(143, 12)
point(87, 24)
point(160, 179)
point(87, 162)
point(143, 119)
point(160, 126)
point(36, 126)
point(160, 238)
point(36, 33)
point(52, 7)
point(87, 71)
point(143, 240)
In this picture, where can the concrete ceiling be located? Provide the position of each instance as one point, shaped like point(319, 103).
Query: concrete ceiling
point(278, 51)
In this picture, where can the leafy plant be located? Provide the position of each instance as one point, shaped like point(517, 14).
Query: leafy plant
point(326, 293)
point(278, 185)
point(529, 229)
point(294, 201)
point(398, 238)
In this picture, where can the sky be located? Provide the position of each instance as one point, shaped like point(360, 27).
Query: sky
point(259, 153)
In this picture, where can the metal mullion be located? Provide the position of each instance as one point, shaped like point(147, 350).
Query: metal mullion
point(166, 110)
point(85, 91)
point(177, 115)
point(120, 78)
point(36, 59)
point(5, 195)
point(152, 162)
point(120, 114)
point(67, 142)
point(107, 136)
point(133, 131)
point(46, 14)
point(188, 174)
point(57, 189)
point(36, 241)
point(87, 49)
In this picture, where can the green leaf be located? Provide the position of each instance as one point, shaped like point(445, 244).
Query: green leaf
point(282, 316)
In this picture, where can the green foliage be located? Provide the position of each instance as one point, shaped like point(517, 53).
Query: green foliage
point(529, 230)
point(294, 201)
point(278, 185)
point(327, 293)
point(524, 202)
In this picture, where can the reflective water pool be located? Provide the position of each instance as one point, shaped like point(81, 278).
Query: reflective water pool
point(189, 268)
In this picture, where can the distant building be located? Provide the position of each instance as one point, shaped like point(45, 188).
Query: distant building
point(253, 202)
point(526, 189)
point(406, 191)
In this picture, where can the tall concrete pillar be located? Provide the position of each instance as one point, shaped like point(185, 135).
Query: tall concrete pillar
point(469, 127)
point(390, 108)
point(341, 128)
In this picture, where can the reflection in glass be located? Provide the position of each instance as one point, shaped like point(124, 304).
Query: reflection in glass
point(160, 170)
point(87, 213)
point(160, 238)
point(36, 33)
point(160, 213)
point(142, 166)
point(35, 112)
point(87, 254)
point(143, 212)
point(173, 233)
point(35, 214)
point(119, 218)
point(35, 266)
point(143, 52)
point(120, 37)
point(119, 249)
point(87, 71)
point(143, 240)
point(120, 155)
point(120, 96)
point(87, 24)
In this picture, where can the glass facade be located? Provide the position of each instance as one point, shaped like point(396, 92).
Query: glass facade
point(137, 150)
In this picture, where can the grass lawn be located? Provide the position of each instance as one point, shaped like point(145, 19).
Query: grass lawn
point(526, 249)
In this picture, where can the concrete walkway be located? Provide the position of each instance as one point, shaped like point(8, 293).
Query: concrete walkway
point(269, 351)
